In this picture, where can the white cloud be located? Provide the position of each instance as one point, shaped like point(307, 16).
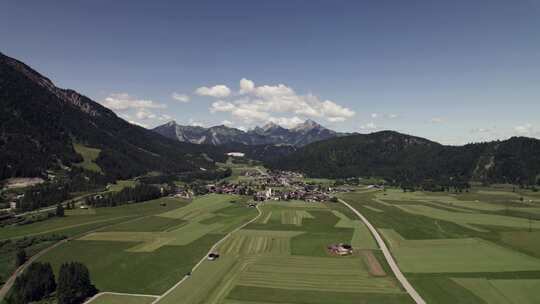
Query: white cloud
point(227, 123)
point(246, 86)
point(525, 129)
point(480, 130)
point(124, 101)
point(164, 117)
point(217, 91)
point(436, 120)
point(145, 115)
point(279, 102)
point(180, 97)
point(287, 122)
point(138, 124)
point(385, 116)
point(369, 126)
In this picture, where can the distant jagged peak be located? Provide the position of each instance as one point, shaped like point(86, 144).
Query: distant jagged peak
point(307, 125)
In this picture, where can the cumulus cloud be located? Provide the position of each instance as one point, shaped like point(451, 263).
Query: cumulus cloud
point(180, 97)
point(481, 130)
point(217, 91)
point(369, 126)
point(124, 101)
point(144, 115)
point(525, 129)
point(383, 116)
point(287, 122)
point(246, 86)
point(278, 102)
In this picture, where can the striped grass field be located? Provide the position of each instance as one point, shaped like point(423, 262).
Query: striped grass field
point(317, 274)
point(201, 205)
point(122, 299)
point(469, 219)
point(465, 255)
point(294, 217)
point(498, 291)
point(151, 241)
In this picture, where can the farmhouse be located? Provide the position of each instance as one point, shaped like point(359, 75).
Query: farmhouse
point(340, 249)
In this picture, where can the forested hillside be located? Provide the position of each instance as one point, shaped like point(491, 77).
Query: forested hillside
point(39, 123)
point(401, 157)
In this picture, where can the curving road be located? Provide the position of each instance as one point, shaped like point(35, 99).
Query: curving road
point(388, 256)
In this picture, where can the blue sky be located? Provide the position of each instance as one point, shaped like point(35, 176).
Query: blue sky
point(452, 71)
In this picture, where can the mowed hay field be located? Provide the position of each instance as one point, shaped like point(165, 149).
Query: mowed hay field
point(476, 247)
point(269, 261)
point(149, 255)
point(122, 299)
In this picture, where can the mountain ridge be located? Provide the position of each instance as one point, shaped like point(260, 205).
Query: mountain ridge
point(396, 156)
point(39, 123)
point(269, 134)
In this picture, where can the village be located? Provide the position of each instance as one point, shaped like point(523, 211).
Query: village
point(271, 186)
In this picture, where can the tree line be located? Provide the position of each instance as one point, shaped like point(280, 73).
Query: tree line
point(139, 193)
point(38, 282)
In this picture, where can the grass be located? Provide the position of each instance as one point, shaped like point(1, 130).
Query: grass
point(149, 255)
point(122, 299)
point(460, 248)
point(121, 184)
point(273, 295)
point(503, 291)
point(528, 242)
point(75, 224)
point(89, 156)
point(113, 268)
point(456, 255)
point(280, 259)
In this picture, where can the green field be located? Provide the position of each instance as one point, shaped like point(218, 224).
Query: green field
point(89, 156)
point(472, 247)
point(122, 299)
point(101, 217)
point(149, 255)
point(282, 258)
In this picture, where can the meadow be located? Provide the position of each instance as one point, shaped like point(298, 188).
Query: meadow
point(474, 247)
point(149, 255)
point(89, 156)
point(282, 258)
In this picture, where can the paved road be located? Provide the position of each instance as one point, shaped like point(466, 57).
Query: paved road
point(213, 249)
point(388, 256)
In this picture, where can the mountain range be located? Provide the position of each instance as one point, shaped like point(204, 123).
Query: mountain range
point(270, 134)
point(40, 123)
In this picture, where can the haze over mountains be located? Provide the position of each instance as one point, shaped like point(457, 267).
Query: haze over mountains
point(271, 133)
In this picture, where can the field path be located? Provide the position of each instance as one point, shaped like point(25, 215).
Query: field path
point(209, 251)
point(388, 256)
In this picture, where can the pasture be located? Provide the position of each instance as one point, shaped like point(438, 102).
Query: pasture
point(89, 156)
point(282, 258)
point(122, 299)
point(476, 247)
point(149, 255)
